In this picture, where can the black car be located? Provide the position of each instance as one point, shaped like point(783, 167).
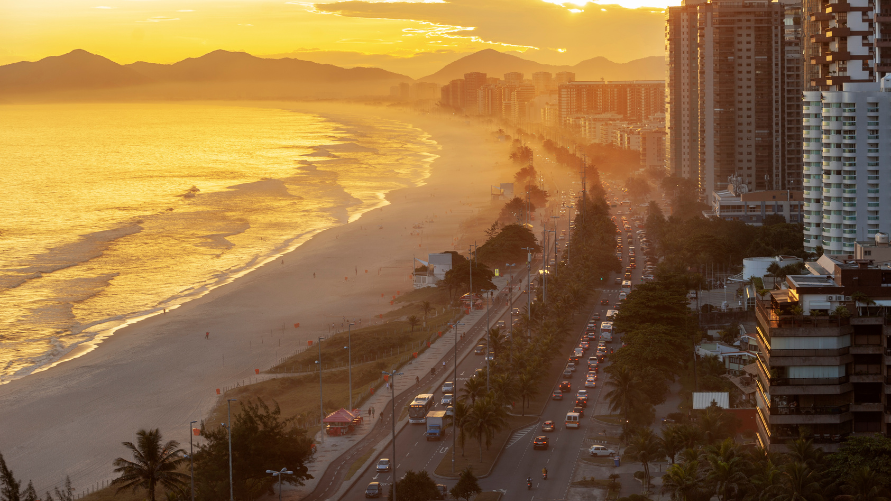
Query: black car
point(540, 442)
point(565, 386)
point(373, 490)
point(580, 410)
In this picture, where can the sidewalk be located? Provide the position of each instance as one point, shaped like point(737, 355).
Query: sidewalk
point(333, 448)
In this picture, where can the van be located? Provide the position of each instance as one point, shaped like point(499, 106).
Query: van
point(572, 419)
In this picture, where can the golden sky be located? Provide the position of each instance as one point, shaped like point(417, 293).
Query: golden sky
point(166, 31)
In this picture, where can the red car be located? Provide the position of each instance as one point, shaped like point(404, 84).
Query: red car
point(604, 302)
point(565, 387)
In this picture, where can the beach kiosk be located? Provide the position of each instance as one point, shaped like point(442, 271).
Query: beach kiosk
point(341, 422)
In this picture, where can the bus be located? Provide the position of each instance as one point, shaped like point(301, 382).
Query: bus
point(626, 285)
point(420, 406)
point(611, 314)
point(606, 332)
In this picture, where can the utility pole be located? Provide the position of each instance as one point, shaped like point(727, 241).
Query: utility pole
point(470, 252)
point(528, 293)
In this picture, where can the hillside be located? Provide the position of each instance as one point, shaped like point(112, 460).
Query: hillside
point(496, 63)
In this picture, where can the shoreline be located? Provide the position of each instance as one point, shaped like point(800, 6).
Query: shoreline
point(108, 327)
point(162, 372)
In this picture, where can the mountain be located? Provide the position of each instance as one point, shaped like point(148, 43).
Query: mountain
point(496, 63)
point(78, 69)
point(217, 75)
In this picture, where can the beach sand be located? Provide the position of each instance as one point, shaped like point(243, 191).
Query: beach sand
point(163, 372)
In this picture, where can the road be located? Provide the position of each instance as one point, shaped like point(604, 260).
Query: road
point(518, 460)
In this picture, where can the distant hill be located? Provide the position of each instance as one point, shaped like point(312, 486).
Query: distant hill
point(496, 64)
point(217, 75)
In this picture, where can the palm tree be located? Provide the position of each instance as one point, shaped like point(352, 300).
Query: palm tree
point(527, 384)
point(713, 424)
point(625, 392)
point(767, 481)
point(426, 307)
point(152, 464)
point(486, 417)
point(504, 388)
point(496, 340)
point(800, 483)
point(645, 447)
point(865, 484)
point(673, 441)
point(474, 388)
point(459, 421)
point(682, 480)
point(725, 470)
point(802, 450)
point(413, 321)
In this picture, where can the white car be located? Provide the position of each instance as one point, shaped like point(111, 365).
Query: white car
point(599, 450)
point(450, 411)
point(383, 465)
point(581, 393)
point(448, 387)
point(590, 382)
point(448, 399)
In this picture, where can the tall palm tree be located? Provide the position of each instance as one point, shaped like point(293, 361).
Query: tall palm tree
point(802, 450)
point(645, 447)
point(766, 482)
point(864, 484)
point(496, 340)
point(682, 480)
point(413, 321)
point(624, 392)
point(459, 421)
point(426, 307)
point(800, 483)
point(474, 388)
point(673, 441)
point(527, 384)
point(504, 388)
point(725, 476)
point(486, 417)
point(152, 464)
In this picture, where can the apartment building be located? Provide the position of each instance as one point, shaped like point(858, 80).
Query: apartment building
point(729, 99)
point(847, 156)
point(823, 361)
point(472, 83)
point(563, 77)
point(635, 100)
point(839, 43)
point(543, 81)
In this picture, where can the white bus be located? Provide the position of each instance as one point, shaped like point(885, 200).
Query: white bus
point(606, 332)
point(418, 409)
point(626, 285)
point(611, 314)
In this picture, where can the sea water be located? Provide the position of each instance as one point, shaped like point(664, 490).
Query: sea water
point(111, 212)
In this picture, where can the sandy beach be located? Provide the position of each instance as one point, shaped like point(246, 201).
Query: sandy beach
point(163, 372)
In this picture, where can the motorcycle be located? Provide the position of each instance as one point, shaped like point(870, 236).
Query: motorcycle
point(529, 484)
point(544, 474)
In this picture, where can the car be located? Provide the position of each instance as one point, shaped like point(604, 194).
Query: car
point(443, 491)
point(557, 395)
point(548, 426)
point(373, 490)
point(383, 464)
point(579, 410)
point(591, 374)
point(567, 373)
point(490, 356)
point(582, 394)
point(605, 302)
point(500, 324)
point(478, 372)
point(540, 442)
point(581, 402)
point(617, 281)
point(447, 399)
point(450, 411)
point(479, 350)
point(565, 386)
point(515, 311)
point(600, 450)
point(590, 382)
point(595, 316)
point(448, 387)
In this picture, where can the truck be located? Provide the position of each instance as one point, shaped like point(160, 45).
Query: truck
point(435, 425)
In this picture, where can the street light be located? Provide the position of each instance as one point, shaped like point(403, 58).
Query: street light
point(392, 376)
point(349, 348)
point(280, 474)
point(528, 293)
point(321, 405)
point(191, 460)
point(455, 392)
point(488, 330)
point(229, 429)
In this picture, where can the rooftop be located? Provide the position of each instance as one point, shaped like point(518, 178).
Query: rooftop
point(800, 281)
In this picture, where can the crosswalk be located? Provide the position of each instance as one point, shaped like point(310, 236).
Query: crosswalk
point(517, 435)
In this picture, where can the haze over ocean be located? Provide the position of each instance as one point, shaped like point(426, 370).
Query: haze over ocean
point(100, 225)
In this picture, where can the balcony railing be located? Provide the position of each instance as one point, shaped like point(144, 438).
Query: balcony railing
point(805, 410)
point(811, 353)
point(774, 320)
point(785, 381)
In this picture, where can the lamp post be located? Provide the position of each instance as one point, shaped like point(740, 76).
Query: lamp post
point(321, 405)
point(528, 293)
point(229, 429)
point(280, 474)
point(191, 460)
point(455, 392)
point(392, 376)
point(488, 333)
point(349, 348)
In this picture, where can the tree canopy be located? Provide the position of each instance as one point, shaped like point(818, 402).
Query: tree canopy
point(508, 245)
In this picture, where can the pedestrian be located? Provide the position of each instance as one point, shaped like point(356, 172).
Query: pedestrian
point(443, 363)
point(369, 411)
point(207, 335)
point(417, 380)
point(372, 412)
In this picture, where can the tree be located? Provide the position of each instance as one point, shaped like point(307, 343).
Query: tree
point(260, 437)
point(725, 471)
point(9, 486)
point(474, 388)
point(672, 441)
point(508, 246)
point(29, 494)
point(415, 486)
point(504, 388)
point(873, 451)
point(153, 464)
point(467, 485)
point(413, 321)
point(459, 421)
point(486, 417)
point(515, 211)
point(426, 307)
point(866, 485)
point(527, 385)
point(64, 495)
point(624, 394)
point(683, 481)
point(646, 448)
point(800, 483)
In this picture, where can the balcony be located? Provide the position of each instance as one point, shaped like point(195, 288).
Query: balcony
point(820, 38)
point(884, 41)
point(770, 319)
point(866, 378)
point(782, 411)
point(820, 381)
point(868, 407)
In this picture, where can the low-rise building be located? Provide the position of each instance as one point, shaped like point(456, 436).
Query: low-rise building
point(736, 203)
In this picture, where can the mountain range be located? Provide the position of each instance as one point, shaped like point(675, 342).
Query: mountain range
point(496, 63)
point(237, 75)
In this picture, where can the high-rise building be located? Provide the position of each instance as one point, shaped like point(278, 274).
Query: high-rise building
point(520, 95)
point(728, 71)
point(634, 100)
point(513, 78)
point(472, 83)
point(838, 41)
point(563, 77)
point(542, 80)
point(847, 140)
point(489, 100)
point(456, 93)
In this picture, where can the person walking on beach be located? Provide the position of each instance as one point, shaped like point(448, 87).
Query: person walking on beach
point(207, 335)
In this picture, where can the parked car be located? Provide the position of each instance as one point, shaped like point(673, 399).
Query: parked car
point(383, 464)
point(373, 490)
point(548, 426)
point(600, 450)
point(540, 442)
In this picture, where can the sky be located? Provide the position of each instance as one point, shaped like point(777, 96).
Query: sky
point(349, 33)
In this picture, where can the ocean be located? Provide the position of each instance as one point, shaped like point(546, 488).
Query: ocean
point(113, 212)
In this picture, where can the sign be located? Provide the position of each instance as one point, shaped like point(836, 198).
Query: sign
point(496, 272)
